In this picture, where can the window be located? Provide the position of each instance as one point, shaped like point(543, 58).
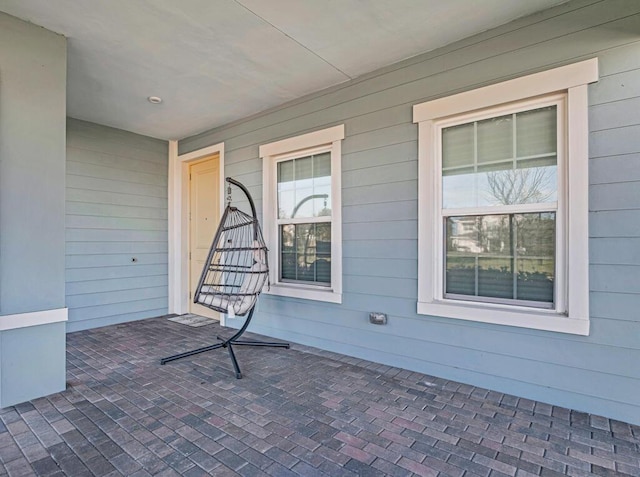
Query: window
point(503, 191)
point(500, 199)
point(302, 214)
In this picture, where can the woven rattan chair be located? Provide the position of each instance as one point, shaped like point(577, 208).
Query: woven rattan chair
point(235, 272)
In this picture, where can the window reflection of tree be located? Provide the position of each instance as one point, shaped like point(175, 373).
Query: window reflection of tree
point(512, 254)
point(520, 186)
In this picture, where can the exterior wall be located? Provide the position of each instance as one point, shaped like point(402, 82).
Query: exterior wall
point(33, 362)
point(596, 373)
point(32, 161)
point(32, 184)
point(116, 212)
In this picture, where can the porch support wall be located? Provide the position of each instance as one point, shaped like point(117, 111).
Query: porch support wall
point(32, 200)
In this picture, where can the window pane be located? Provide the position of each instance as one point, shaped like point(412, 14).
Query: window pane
point(322, 199)
point(460, 190)
point(535, 280)
point(304, 201)
point(504, 257)
point(550, 160)
point(495, 277)
point(323, 253)
point(534, 185)
point(287, 252)
point(286, 189)
point(536, 241)
point(458, 146)
point(477, 234)
point(322, 185)
point(306, 253)
point(492, 173)
point(303, 168)
point(322, 165)
point(461, 275)
point(536, 132)
point(304, 187)
point(536, 234)
point(286, 199)
point(495, 139)
point(285, 171)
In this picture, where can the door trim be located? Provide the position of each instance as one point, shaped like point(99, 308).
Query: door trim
point(178, 198)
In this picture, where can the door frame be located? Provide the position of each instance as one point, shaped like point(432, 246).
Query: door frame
point(178, 213)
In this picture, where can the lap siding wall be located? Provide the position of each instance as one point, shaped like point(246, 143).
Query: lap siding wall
point(597, 373)
point(116, 211)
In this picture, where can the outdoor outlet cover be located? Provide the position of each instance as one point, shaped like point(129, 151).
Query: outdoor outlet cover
point(377, 318)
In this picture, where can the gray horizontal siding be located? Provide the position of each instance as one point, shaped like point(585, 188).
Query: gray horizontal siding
point(615, 169)
point(615, 196)
point(116, 210)
point(613, 115)
point(596, 373)
point(615, 251)
point(89, 287)
point(403, 249)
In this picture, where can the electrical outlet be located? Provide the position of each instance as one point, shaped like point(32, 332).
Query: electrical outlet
point(377, 318)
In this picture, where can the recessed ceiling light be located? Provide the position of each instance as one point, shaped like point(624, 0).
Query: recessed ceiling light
point(154, 99)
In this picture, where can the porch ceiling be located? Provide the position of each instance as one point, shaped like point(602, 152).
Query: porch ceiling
point(215, 61)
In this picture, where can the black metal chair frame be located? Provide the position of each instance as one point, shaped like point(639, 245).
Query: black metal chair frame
point(233, 340)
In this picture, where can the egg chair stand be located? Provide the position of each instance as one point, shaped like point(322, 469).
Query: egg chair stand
point(234, 274)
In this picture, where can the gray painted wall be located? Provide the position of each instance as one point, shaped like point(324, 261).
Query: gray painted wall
point(32, 184)
point(116, 211)
point(33, 70)
point(32, 362)
point(598, 373)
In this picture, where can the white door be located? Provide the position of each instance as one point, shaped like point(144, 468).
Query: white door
point(204, 216)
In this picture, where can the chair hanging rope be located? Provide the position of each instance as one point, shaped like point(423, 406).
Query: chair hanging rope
point(234, 274)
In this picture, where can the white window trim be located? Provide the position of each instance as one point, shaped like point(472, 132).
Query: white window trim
point(329, 139)
point(572, 80)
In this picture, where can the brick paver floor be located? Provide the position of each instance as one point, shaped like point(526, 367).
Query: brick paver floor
point(297, 412)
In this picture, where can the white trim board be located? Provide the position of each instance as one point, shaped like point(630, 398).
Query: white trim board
point(529, 86)
point(178, 225)
point(293, 144)
point(35, 318)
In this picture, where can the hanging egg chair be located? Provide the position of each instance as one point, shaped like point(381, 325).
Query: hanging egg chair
point(234, 274)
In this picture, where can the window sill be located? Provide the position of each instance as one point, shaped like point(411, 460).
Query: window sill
point(511, 316)
point(306, 293)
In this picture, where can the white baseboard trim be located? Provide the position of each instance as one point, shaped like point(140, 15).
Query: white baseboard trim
point(24, 320)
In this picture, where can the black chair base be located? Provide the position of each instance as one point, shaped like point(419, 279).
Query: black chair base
point(228, 343)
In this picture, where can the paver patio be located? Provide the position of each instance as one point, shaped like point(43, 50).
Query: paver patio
point(296, 412)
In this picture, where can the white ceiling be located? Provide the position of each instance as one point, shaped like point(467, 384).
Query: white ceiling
point(215, 61)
